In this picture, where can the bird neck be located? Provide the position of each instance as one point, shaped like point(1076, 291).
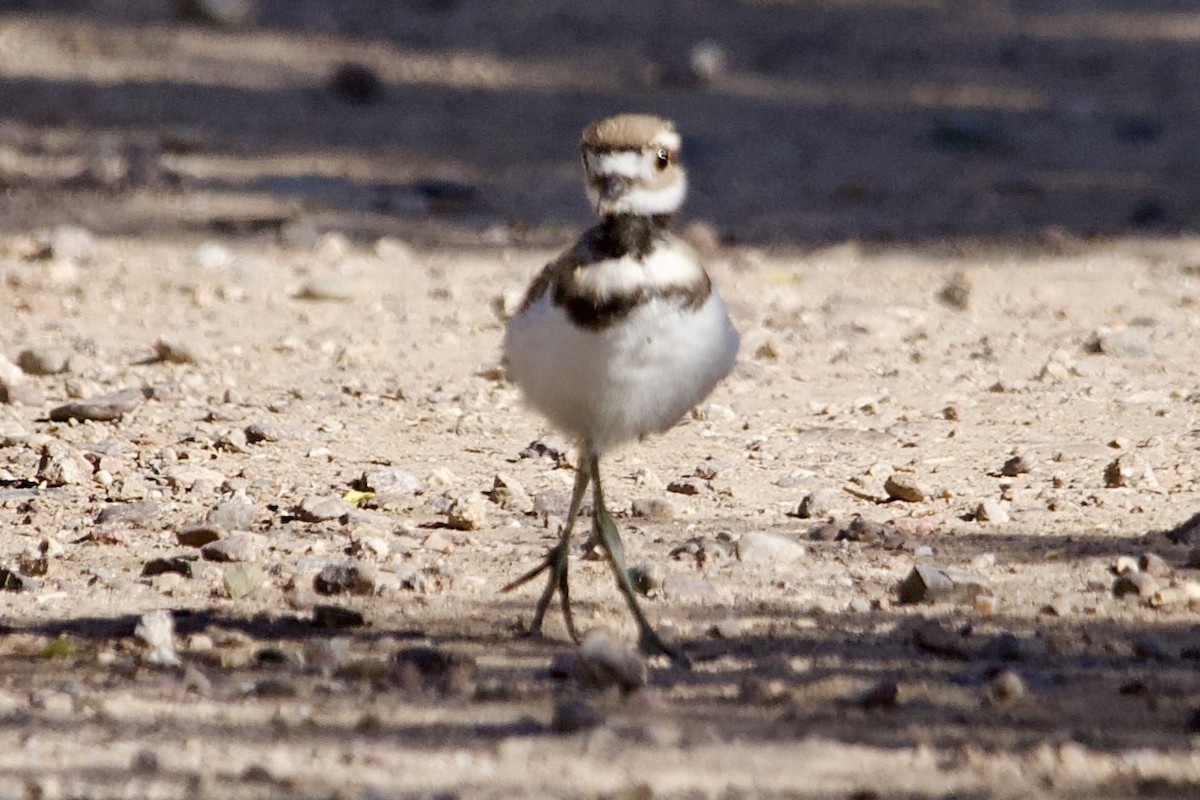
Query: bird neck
point(625, 234)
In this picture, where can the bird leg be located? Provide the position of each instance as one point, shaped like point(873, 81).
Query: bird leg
point(556, 562)
point(605, 530)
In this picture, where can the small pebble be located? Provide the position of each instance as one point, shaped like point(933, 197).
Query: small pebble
point(221, 13)
point(44, 360)
point(234, 511)
point(647, 578)
point(1130, 470)
point(1005, 687)
point(433, 669)
point(199, 534)
point(905, 487)
point(318, 508)
point(1017, 465)
point(728, 628)
point(689, 486)
point(159, 566)
point(932, 637)
point(508, 493)
point(883, 695)
point(769, 548)
point(332, 288)
point(1149, 647)
point(392, 481)
point(354, 578)
point(550, 447)
point(956, 292)
point(991, 510)
point(929, 583)
point(1125, 565)
point(573, 716)
point(264, 432)
point(820, 503)
point(1155, 565)
point(1138, 584)
point(336, 617)
point(607, 661)
point(241, 546)
point(468, 513)
point(654, 509)
point(241, 580)
point(356, 84)
point(184, 350)
point(62, 465)
point(101, 408)
point(1122, 343)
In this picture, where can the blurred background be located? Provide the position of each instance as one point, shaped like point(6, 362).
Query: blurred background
point(457, 121)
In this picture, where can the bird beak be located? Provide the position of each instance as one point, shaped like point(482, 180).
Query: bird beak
point(610, 187)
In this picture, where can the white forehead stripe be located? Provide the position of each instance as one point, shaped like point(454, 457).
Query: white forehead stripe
point(626, 163)
point(668, 139)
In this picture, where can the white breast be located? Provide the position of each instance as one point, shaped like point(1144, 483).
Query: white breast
point(635, 377)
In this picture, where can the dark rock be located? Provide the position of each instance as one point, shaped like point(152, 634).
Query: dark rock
point(10, 581)
point(968, 131)
point(356, 84)
point(431, 669)
point(689, 486)
point(1187, 532)
point(346, 579)
point(956, 292)
point(1139, 584)
point(1017, 465)
point(159, 566)
point(337, 617)
point(1148, 212)
point(573, 716)
point(264, 432)
point(199, 534)
point(882, 695)
point(550, 447)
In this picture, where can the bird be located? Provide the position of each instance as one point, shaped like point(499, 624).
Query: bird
point(619, 337)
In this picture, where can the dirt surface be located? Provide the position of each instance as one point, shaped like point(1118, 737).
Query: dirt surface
point(304, 298)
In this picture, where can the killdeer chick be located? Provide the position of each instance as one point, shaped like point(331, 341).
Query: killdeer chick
point(619, 337)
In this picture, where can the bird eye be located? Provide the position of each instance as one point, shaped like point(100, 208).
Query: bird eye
point(663, 158)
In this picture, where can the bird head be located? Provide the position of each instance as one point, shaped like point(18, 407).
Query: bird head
point(631, 162)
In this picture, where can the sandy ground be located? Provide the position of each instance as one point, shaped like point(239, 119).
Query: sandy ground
point(307, 299)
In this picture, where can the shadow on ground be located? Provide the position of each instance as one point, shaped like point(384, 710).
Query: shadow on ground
point(879, 121)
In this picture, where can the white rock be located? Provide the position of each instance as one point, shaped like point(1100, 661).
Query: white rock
point(769, 548)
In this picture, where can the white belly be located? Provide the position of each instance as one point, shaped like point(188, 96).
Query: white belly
point(636, 377)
